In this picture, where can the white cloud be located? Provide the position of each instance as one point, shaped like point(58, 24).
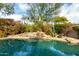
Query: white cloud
point(71, 12)
point(23, 6)
point(16, 17)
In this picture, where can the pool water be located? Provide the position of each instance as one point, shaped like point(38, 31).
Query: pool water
point(11, 47)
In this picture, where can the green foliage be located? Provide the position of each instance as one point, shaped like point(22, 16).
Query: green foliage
point(58, 19)
point(39, 26)
point(28, 28)
point(32, 28)
point(47, 28)
point(58, 24)
point(43, 26)
point(6, 8)
point(63, 28)
point(36, 28)
point(58, 28)
point(43, 11)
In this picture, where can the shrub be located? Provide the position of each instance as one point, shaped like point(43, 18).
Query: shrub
point(39, 26)
point(28, 28)
point(10, 27)
point(58, 28)
point(63, 28)
point(47, 28)
point(43, 26)
point(2, 33)
point(66, 28)
point(35, 28)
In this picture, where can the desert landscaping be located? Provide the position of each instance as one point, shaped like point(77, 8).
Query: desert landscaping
point(41, 36)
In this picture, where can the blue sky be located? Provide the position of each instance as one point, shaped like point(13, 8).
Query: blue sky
point(71, 11)
point(20, 9)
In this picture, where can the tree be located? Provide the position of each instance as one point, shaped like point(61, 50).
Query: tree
point(58, 23)
point(6, 8)
point(43, 11)
point(24, 18)
point(61, 20)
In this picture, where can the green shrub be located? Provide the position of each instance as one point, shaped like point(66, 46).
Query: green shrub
point(43, 26)
point(28, 28)
point(58, 28)
point(47, 28)
point(63, 28)
point(37, 26)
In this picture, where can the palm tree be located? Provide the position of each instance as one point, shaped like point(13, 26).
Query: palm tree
point(43, 11)
point(7, 8)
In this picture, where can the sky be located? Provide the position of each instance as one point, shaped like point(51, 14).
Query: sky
point(19, 11)
point(70, 11)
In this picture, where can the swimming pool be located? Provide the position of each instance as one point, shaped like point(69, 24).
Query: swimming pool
point(15, 47)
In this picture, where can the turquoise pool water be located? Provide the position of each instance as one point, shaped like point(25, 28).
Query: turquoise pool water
point(11, 47)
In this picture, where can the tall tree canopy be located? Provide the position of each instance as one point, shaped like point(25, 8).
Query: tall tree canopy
point(6, 8)
point(58, 19)
point(43, 11)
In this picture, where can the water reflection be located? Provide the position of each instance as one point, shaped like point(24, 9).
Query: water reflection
point(34, 48)
point(57, 52)
point(21, 53)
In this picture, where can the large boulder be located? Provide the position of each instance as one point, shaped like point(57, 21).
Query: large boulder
point(72, 34)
